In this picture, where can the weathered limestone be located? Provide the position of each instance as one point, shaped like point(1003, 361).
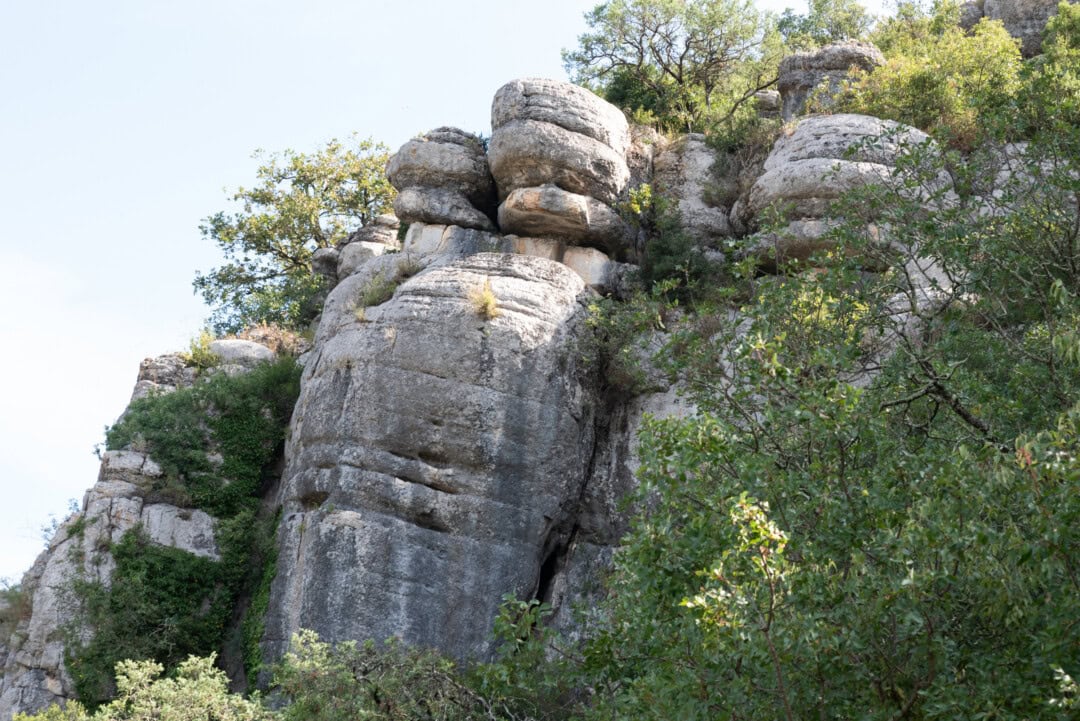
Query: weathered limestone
point(681, 174)
point(546, 131)
point(243, 353)
point(803, 74)
point(34, 675)
point(564, 104)
point(354, 255)
point(442, 177)
point(820, 160)
point(433, 454)
point(551, 212)
point(163, 374)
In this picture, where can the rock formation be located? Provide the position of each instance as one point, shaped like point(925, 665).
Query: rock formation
point(682, 173)
point(819, 73)
point(1024, 19)
point(822, 158)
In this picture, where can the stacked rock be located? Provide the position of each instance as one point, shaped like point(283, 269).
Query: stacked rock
point(377, 237)
point(558, 156)
point(825, 69)
point(442, 177)
point(823, 158)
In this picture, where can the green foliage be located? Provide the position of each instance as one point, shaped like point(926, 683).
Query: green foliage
point(945, 82)
point(377, 290)
point(264, 548)
point(199, 354)
point(686, 64)
point(16, 605)
point(827, 21)
point(302, 202)
point(818, 546)
point(197, 692)
point(243, 418)
point(162, 604)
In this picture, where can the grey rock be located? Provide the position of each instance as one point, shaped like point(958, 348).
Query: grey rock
point(803, 74)
point(826, 156)
point(681, 174)
point(531, 153)
point(971, 13)
point(33, 675)
point(1024, 19)
point(354, 255)
point(769, 103)
point(324, 262)
point(433, 454)
point(645, 144)
point(163, 374)
point(549, 211)
point(564, 104)
point(446, 174)
point(384, 229)
point(440, 205)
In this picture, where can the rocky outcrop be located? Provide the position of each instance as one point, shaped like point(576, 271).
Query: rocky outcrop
point(819, 73)
point(435, 454)
point(820, 160)
point(443, 177)
point(34, 675)
point(1024, 19)
point(682, 173)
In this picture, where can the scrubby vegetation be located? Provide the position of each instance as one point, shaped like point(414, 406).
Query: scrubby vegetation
point(216, 443)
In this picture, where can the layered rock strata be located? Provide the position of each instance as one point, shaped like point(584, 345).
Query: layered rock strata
point(818, 74)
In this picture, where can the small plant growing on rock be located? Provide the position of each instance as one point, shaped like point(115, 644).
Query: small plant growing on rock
point(377, 291)
point(199, 354)
point(484, 301)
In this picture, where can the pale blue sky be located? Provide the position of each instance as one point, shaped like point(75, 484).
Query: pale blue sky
point(122, 121)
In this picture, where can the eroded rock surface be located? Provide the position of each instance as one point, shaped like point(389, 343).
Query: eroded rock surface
point(821, 72)
point(683, 172)
point(443, 177)
point(434, 453)
point(1024, 19)
point(821, 159)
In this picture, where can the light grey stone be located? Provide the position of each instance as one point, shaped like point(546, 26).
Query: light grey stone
point(433, 453)
point(187, 529)
point(324, 262)
point(440, 205)
point(681, 173)
point(549, 211)
point(564, 104)
point(244, 353)
point(531, 153)
point(445, 174)
point(356, 254)
point(822, 70)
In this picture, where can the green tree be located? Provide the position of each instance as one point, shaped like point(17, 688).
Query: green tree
point(689, 62)
point(827, 21)
point(875, 512)
point(302, 202)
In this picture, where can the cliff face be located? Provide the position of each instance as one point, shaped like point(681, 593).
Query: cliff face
point(453, 441)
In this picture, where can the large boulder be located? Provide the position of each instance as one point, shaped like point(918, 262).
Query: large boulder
point(820, 160)
point(436, 456)
point(443, 177)
point(551, 212)
point(546, 131)
point(821, 71)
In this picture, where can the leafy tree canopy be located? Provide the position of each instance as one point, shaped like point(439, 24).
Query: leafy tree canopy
point(302, 202)
point(828, 21)
point(687, 62)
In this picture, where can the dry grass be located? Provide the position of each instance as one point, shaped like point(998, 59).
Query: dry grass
point(484, 301)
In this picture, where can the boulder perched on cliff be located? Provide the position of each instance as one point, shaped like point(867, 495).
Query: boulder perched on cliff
point(443, 177)
point(546, 131)
point(821, 159)
point(436, 453)
point(682, 173)
point(803, 74)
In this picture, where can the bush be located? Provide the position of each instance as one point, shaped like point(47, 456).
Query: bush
point(945, 83)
